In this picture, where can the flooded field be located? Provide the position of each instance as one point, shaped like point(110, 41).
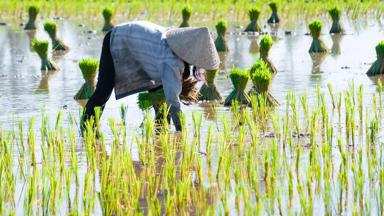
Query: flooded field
point(327, 160)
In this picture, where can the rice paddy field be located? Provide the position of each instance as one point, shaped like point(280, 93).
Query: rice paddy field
point(301, 134)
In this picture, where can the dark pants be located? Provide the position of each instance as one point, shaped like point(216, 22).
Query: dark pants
point(105, 82)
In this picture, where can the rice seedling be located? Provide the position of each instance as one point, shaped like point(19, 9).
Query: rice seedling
point(88, 68)
point(107, 15)
point(317, 45)
point(186, 12)
point(265, 46)
point(254, 26)
point(377, 67)
point(335, 14)
point(220, 42)
point(41, 48)
point(57, 44)
point(239, 80)
point(33, 11)
point(261, 78)
point(155, 100)
point(274, 18)
point(208, 91)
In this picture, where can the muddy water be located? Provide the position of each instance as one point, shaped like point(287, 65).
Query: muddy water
point(25, 90)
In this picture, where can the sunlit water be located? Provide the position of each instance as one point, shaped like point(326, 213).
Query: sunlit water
point(25, 91)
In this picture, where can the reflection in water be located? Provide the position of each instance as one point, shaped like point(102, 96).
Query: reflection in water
point(210, 111)
point(254, 47)
point(31, 35)
point(44, 82)
point(317, 59)
point(223, 61)
point(336, 39)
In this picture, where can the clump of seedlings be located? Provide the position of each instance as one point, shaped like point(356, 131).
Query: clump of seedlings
point(262, 78)
point(335, 14)
point(265, 46)
point(186, 14)
point(239, 80)
point(208, 91)
point(155, 100)
point(41, 48)
point(107, 14)
point(254, 26)
point(57, 44)
point(220, 42)
point(88, 68)
point(317, 45)
point(33, 11)
point(274, 18)
point(378, 66)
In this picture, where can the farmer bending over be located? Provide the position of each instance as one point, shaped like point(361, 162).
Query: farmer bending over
point(142, 56)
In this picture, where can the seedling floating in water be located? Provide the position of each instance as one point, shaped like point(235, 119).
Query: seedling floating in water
point(317, 45)
point(378, 66)
point(239, 80)
point(254, 26)
point(220, 42)
point(274, 17)
point(208, 91)
point(41, 48)
point(57, 44)
point(265, 46)
point(262, 78)
point(33, 11)
point(107, 14)
point(336, 28)
point(88, 68)
point(186, 14)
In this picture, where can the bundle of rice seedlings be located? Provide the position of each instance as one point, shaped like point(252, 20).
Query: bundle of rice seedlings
point(147, 100)
point(155, 100)
point(33, 10)
point(254, 26)
point(208, 91)
point(262, 78)
point(107, 14)
point(265, 46)
point(274, 18)
point(186, 14)
point(336, 28)
point(41, 48)
point(88, 68)
point(220, 42)
point(239, 80)
point(378, 66)
point(57, 44)
point(317, 45)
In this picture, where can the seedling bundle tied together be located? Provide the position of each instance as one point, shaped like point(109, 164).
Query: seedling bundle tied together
point(57, 44)
point(33, 11)
point(186, 14)
point(262, 78)
point(221, 42)
point(254, 26)
point(265, 46)
point(239, 78)
point(317, 45)
point(274, 18)
point(208, 91)
point(41, 48)
point(378, 66)
point(88, 68)
point(107, 14)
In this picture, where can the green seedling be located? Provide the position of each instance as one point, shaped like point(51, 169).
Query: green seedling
point(107, 14)
point(33, 11)
point(208, 91)
point(265, 46)
point(41, 48)
point(335, 14)
point(274, 18)
point(261, 78)
point(378, 66)
point(88, 68)
point(254, 26)
point(186, 14)
point(239, 80)
point(317, 45)
point(220, 42)
point(57, 44)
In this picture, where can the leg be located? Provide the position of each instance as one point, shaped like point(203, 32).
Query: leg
point(105, 83)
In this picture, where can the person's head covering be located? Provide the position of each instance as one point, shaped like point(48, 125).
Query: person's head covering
point(194, 45)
